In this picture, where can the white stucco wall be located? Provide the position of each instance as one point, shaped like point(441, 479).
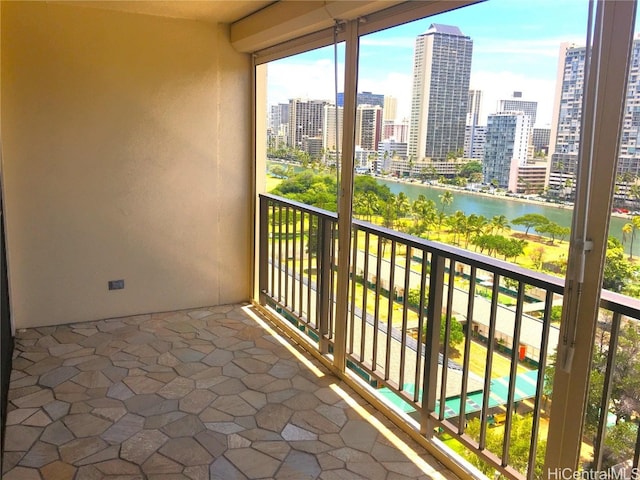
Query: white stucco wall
point(125, 156)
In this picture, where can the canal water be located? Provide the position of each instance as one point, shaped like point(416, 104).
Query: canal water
point(490, 206)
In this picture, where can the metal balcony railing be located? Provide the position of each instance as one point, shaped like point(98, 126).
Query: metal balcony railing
point(458, 341)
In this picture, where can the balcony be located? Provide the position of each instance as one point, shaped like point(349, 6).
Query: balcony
point(405, 296)
point(207, 393)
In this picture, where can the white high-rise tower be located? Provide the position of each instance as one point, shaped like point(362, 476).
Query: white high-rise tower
point(440, 95)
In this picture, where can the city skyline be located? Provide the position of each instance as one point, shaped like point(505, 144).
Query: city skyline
point(516, 48)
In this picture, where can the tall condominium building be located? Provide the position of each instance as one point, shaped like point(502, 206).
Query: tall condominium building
point(368, 126)
point(364, 98)
point(440, 94)
point(332, 137)
point(473, 109)
point(279, 115)
point(517, 104)
point(567, 116)
point(390, 108)
point(506, 148)
point(474, 138)
point(540, 139)
point(306, 120)
point(398, 130)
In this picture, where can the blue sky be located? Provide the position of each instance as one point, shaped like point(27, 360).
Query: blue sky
point(515, 47)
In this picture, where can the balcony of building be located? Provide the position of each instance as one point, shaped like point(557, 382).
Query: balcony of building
point(130, 147)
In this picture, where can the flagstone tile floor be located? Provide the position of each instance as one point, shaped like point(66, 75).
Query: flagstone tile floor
point(209, 393)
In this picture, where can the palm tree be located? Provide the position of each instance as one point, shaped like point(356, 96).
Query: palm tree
point(629, 232)
point(499, 223)
point(424, 212)
point(446, 199)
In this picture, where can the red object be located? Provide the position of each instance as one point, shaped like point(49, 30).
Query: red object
point(523, 351)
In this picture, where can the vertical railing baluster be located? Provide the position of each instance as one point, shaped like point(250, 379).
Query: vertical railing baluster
point(354, 270)
point(279, 294)
point(405, 312)
point(272, 289)
point(311, 233)
point(334, 259)
point(294, 253)
point(365, 288)
point(263, 255)
point(489, 362)
point(421, 309)
point(471, 296)
point(324, 282)
point(432, 344)
point(542, 364)
point(445, 342)
point(598, 448)
point(286, 258)
point(513, 374)
point(376, 314)
point(303, 216)
point(392, 298)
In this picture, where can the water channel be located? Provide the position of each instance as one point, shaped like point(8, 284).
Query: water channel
point(490, 206)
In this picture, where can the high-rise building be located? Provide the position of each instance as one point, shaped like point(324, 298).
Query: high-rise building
point(368, 126)
point(390, 108)
point(363, 98)
point(474, 138)
point(398, 131)
point(540, 139)
point(474, 107)
point(567, 117)
point(506, 148)
point(279, 115)
point(332, 137)
point(306, 120)
point(440, 94)
point(517, 104)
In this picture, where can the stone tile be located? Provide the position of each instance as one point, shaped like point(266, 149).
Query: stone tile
point(17, 416)
point(187, 426)
point(142, 384)
point(196, 401)
point(35, 399)
point(275, 449)
point(40, 454)
point(92, 379)
point(120, 391)
point(57, 434)
point(186, 451)
point(252, 463)
point(81, 448)
point(117, 467)
point(293, 433)
point(57, 376)
point(56, 409)
point(85, 424)
point(108, 453)
point(123, 429)
point(142, 445)
point(194, 395)
point(19, 438)
point(233, 406)
point(223, 469)
point(214, 443)
point(299, 465)
point(177, 388)
point(199, 472)
point(22, 473)
point(58, 471)
point(274, 417)
point(160, 464)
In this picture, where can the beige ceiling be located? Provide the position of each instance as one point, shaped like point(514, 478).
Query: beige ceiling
point(211, 11)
